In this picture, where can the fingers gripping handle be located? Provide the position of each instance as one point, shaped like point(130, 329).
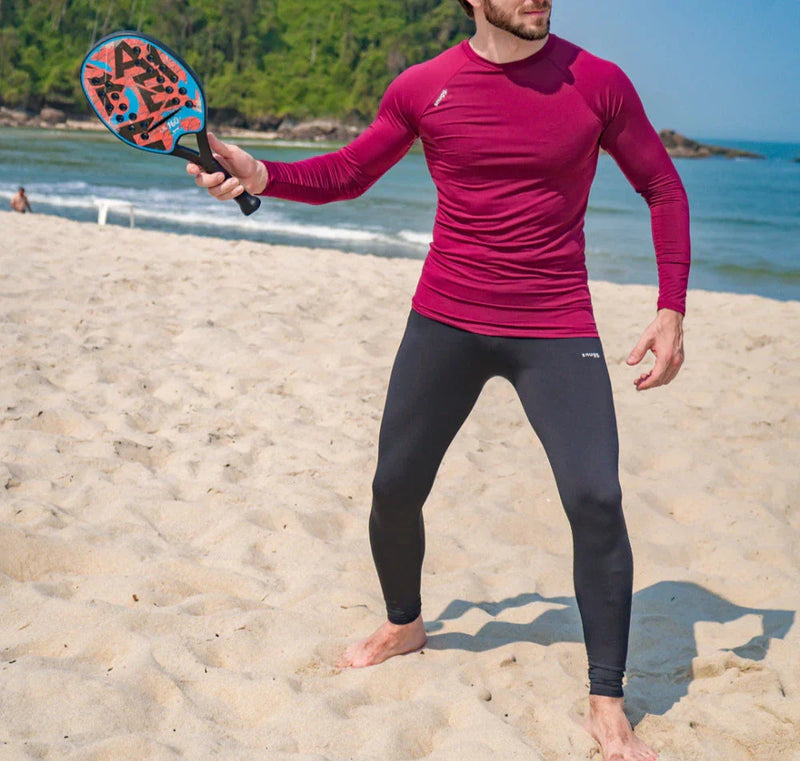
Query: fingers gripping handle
point(247, 203)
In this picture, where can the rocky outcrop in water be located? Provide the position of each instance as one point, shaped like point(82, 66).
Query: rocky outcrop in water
point(681, 147)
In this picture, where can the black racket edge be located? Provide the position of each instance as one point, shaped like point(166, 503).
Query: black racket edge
point(247, 202)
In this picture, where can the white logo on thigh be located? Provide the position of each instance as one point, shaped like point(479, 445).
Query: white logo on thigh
point(591, 354)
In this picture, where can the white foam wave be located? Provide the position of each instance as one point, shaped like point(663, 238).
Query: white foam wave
point(195, 211)
point(39, 189)
point(266, 224)
point(64, 202)
point(419, 239)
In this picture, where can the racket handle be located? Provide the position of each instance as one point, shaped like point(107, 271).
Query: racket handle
point(248, 203)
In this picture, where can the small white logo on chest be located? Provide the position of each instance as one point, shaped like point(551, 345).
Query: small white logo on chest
point(592, 354)
point(442, 96)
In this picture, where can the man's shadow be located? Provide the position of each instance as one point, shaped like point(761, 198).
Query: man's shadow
point(662, 642)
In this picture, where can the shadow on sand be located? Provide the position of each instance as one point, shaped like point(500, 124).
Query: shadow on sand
point(662, 643)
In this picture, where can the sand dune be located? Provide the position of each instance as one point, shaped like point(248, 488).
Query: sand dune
point(188, 430)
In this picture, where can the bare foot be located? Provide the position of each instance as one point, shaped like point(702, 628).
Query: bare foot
point(608, 725)
point(388, 640)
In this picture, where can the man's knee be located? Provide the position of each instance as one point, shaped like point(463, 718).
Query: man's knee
point(595, 508)
point(398, 492)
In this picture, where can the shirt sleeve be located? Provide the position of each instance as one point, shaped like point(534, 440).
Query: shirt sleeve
point(636, 147)
point(352, 170)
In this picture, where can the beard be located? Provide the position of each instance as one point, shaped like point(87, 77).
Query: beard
point(505, 20)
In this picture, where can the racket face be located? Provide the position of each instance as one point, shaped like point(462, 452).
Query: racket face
point(142, 91)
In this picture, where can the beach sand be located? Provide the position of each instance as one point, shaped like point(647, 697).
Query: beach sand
point(187, 439)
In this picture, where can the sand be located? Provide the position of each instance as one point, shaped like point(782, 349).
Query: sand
point(187, 437)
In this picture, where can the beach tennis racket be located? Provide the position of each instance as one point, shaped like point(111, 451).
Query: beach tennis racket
point(149, 97)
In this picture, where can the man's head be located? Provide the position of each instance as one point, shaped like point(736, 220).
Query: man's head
point(21, 190)
point(526, 19)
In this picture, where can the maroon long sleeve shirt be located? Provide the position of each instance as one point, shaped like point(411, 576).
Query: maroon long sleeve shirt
point(512, 149)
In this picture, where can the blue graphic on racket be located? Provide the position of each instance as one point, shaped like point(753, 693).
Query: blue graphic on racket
point(149, 97)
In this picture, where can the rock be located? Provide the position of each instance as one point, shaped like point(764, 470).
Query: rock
point(317, 130)
point(680, 146)
point(267, 123)
point(12, 118)
point(52, 116)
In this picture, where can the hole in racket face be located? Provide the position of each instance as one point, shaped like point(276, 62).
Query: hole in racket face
point(142, 92)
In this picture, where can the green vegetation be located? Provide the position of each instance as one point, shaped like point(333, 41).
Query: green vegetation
point(258, 59)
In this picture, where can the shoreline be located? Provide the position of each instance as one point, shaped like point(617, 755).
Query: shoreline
point(118, 220)
point(327, 250)
point(331, 132)
point(313, 132)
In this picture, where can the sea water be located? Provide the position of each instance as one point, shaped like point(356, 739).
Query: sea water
point(745, 212)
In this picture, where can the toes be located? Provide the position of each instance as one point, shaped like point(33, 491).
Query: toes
point(345, 660)
point(354, 658)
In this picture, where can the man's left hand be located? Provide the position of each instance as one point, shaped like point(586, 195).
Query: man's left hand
point(664, 337)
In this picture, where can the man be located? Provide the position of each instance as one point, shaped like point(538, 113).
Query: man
point(20, 203)
point(511, 121)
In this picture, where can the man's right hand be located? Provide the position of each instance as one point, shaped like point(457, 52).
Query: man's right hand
point(245, 172)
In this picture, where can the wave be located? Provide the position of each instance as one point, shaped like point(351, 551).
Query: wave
point(38, 190)
point(419, 239)
point(610, 210)
point(190, 219)
point(787, 223)
point(759, 271)
point(162, 207)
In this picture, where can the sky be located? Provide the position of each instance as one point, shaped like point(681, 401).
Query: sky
point(727, 69)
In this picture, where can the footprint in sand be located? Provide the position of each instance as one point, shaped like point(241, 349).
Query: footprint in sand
point(324, 525)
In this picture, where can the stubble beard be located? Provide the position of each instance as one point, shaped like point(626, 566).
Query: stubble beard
point(506, 22)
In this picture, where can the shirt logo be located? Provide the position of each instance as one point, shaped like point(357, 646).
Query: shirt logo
point(591, 354)
point(442, 96)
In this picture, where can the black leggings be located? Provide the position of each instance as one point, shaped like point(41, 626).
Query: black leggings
point(565, 390)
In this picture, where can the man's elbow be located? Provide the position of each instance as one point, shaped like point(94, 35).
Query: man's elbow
point(666, 189)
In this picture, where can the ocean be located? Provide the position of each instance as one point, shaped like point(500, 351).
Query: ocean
point(745, 212)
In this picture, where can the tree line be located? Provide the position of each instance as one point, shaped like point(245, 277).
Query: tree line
point(259, 60)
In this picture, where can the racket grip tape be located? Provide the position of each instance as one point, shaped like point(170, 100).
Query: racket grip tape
point(247, 203)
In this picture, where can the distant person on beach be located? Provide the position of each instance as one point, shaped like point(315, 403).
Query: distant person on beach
point(20, 203)
point(512, 122)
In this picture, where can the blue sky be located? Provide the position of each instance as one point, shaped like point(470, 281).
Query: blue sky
point(706, 68)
